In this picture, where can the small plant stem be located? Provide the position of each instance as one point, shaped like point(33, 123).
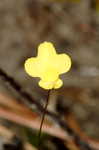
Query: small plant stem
point(43, 117)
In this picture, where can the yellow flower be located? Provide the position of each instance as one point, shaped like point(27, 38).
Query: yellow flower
point(48, 65)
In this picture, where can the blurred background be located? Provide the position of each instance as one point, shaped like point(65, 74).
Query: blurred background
point(73, 27)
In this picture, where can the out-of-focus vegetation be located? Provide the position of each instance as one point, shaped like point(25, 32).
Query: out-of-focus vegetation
point(67, 0)
point(73, 27)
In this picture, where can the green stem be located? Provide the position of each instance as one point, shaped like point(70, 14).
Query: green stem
point(43, 117)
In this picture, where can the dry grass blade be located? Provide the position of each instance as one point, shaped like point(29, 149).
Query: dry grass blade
point(13, 104)
point(30, 122)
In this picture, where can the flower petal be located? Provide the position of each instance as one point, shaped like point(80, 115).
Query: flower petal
point(62, 63)
point(50, 85)
point(46, 85)
point(32, 67)
point(46, 50)
point(58, 84)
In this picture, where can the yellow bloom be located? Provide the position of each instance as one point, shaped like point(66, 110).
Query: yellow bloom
point(48, 65)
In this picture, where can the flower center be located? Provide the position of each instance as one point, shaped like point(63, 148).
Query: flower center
point(50, 75)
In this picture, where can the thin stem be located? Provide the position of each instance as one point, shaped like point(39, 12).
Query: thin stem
point(43, 117)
